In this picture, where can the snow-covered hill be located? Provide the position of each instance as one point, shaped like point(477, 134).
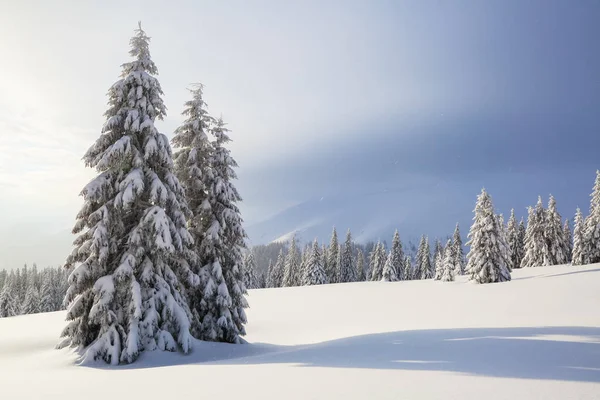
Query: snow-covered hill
point(536, 337)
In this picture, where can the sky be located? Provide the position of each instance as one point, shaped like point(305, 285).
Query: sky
point(363, 114)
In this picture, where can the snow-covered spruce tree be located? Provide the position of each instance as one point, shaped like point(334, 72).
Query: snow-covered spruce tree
point(221, 310)
point(291, 275)
point(555, 239)
point(427, 268)
point(514, 245)
point(578, 239)
point(459, 256)
point(591, 233)
point(360, 266)
point(505, 248)
point(417, 273)
point(269, 276)
point(314, 274)
point(485, 260)
point(448, 267)
point(437, 251)
point(8, 300)
point(47, 300)
point(408, 273)
point(377, 262)
point(568, 239)
point(278, 270)
point(536, 252)
point(125, 294)
point(347, 268)
point(393, 269)
point(333, 258)
point(521, 246)
point(250, 279)
point(439, 265)
point(31, 305)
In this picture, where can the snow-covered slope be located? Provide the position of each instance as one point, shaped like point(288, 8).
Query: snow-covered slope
point(536, 337)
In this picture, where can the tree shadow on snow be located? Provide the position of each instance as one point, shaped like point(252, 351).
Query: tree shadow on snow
point(556, 353)
point(581, 271)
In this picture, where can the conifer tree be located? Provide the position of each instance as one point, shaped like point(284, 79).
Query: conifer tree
point(536, 251)
point(47, 301)
point(427, 268)
point(554, 233)
point(459, 256)
point(448, 266)
point(486, 261)
point(125, 293)
point(291, 275)
point(408, 274)
point(8, 301)
point(377, 262)
point(32, 300)
point(314, 274)
point(333, 258)
point(278, 270)
point(360, 266)
point(568, 236)
point(578, 239)
point(521, 245)
point(439, 265)
point(393, 269)
point(514, 243)
point(418, 272)
point(591, 233)
point(250, 279)
point(269, 276)
point(221, 311)
point(347, 268)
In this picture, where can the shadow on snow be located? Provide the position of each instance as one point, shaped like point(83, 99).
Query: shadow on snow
point(556, 353)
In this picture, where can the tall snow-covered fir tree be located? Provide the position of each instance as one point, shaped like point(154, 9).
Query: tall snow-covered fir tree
point(522, 232)
point(393, 269)
point(377, 262)
point(292, 273)
point(8, 300)
point(591, 232)
point(347, 268)
point(250, 279)
point(129, 262)
point(555, 239)
point(536, 252)
point(459, 256)
point(314, 274)
point(360, 266)
point(578, 239)
point(513, 240)
point(449, 267)
point(408, 273)
point(568, 235)
point(333, 258)
point(486, 262)
point(221, 310)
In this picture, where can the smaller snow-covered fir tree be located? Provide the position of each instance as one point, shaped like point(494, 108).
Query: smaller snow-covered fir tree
point(314, 274)
point(591, 232)
point(568, 240)
point(578, 239)
point(536, 252)
point(459, 256)
point(554, 234)
point(408, 272)
point(250, 279)
point(393, 269)
point(8, 299)
point(291, 275)
point(448, 266)
point(417, 273)
point(347, 268)
point(333, 258)
point(427, 268)
point(439, 264)
point(32, 300)
point(360, 266)
point(278, 270)
point(377, 262)
point(486, 260)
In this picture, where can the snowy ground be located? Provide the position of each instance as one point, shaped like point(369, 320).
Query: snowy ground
point(537, 337)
